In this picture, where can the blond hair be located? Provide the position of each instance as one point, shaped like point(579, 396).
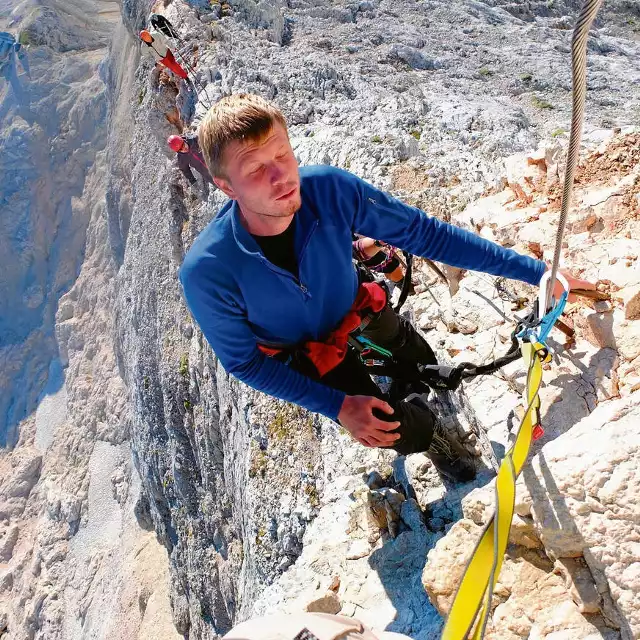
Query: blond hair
point(242, 116)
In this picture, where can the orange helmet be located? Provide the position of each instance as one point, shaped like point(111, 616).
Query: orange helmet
point(146, 36)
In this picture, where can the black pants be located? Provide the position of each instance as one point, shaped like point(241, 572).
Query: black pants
point(398, 336)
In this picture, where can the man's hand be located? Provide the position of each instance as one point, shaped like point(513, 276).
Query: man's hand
point(357, 417)
point(574, 283)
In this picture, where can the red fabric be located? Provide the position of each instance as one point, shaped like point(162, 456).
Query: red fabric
point(329, 354)
point(270, 351)
point(170, 62)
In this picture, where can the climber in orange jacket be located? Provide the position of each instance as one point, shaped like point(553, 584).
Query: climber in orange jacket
point(157, 43)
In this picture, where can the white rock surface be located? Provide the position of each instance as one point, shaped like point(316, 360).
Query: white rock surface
point(579, 499)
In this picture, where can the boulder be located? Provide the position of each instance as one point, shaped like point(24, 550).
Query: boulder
point(329, 603)
point(579, 497)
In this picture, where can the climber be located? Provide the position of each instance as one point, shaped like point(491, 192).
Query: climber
point(373, 255)
point(162, 24)
point(189, 156)
point(307, 626)
point(10, 50)
point(272, 285)
point(157, 44)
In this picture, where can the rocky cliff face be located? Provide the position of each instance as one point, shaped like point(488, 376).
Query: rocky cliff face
point(259, 505)
point(74, 562)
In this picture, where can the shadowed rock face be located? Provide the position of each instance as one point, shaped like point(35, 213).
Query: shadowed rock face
point(74, 562)
point(54, 125)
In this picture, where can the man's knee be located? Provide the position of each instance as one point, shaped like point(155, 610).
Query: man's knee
point(416, 427)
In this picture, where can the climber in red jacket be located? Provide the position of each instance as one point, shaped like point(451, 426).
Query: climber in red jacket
point(189, 157)
point(158, 46)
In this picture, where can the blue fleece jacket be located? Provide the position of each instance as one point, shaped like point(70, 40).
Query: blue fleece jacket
point(239, 298)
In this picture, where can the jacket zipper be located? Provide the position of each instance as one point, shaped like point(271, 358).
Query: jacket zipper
point(287, 274)
point(314, 226)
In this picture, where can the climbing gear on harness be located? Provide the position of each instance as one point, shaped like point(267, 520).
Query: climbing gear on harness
point(472, 605)
point(437, 376)
point(390, 264)
point(381, 262)
point(328, 354)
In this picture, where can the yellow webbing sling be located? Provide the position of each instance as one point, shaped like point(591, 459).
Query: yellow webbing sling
point(473, 599)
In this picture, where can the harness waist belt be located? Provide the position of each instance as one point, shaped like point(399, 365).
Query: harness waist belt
point(328, 354)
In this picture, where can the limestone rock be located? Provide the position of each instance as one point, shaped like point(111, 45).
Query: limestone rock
point(374, 480)
point(580, 583)
point(597, 328)
point(8, 542)
point(451, 552)
point(250, 497)
point(570, 490)
point(631, 297)
point(528, 173)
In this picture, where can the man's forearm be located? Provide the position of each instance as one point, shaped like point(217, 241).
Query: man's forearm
point(385, 217)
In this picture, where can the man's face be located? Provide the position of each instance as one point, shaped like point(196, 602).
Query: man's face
point(262, 176)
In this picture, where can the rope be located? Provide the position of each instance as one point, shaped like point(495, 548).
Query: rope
point(579, 65)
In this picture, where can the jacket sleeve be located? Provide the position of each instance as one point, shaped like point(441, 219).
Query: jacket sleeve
point(381, 216)
point(185, 167)
point(225, 326)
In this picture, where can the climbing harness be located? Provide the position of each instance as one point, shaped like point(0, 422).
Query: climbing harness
point(437, 376)
point(472, 605)
point(440, 376)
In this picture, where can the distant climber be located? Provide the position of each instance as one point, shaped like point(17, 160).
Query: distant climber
point(272, 284)
point(378, 257)
point(162, 24)
point(308, 626)
point(189, 156)
point(159, 47)
point(10, 52)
